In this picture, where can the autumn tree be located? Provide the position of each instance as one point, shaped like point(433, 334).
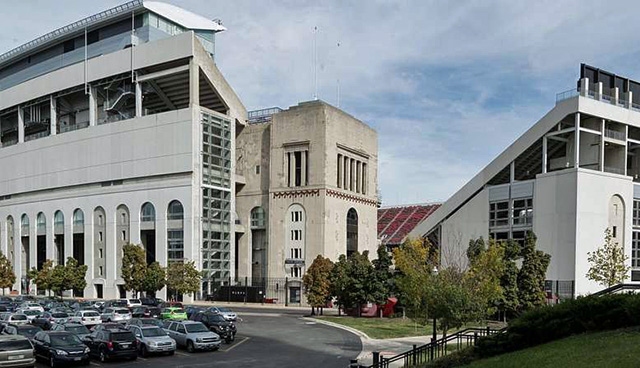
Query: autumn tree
point(134, 267)
point(608, 264)
point(43, 277)
point(416, 267)
point(317, 283)
point(7, 276)
point(183, 278)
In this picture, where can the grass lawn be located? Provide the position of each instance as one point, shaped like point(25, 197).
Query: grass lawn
point(382, 328)
point(620, 348)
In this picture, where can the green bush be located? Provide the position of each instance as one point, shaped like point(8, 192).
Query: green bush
point(455, 359)
point(545, 324)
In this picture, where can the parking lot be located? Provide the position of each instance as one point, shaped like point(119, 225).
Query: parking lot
point(266, 338)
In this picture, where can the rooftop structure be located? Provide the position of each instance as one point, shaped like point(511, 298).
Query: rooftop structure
point(396, 222)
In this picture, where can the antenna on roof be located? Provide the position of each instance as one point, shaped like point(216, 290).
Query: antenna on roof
point(315, 62)
point(338, 78)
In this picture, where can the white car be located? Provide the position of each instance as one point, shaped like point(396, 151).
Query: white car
point(226, 313)
point(121, 315)
point(86, 317)
point(30, 313)
point(15, 318)
point(131, 303)
point(32, 306)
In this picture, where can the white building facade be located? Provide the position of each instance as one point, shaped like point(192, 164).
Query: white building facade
point(572, 175)
point(119, 129)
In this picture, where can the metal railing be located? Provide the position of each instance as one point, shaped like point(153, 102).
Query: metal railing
point(616, 289)
point(76, 26)
point(614, 170)
point(610, 133)
point(31, 137)
point(70, 128)
point(566, 95)
point(433, 350)
point(263, 115)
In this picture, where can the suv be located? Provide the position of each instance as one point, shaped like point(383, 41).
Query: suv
point(16, 351)
point(153, 339)
point(116, 315)
point(130, 303)
point(218, 324)
point(75, 328)
point(225, 312)
point(86, 317)
point(47, 319)
point(60, 348)
point(145, 322)
point(109, 344)
point(193, 335)
point(27, 331)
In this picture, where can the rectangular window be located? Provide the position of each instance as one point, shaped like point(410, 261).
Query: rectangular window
point(635, 249)
point(522, 212)
point(364, 178)
point(339, 171)
point(257, 169)
point(298, 168)
point(499, 214)
point(636, 213)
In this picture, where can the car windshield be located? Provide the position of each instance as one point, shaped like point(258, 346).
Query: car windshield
point(31, 313)
point(122, 336)
point(91, 314)
point(59, 315)
point(135, 301)
point(151, 321)
point(121, 311)
point(65, 340)
point(78, 330)
point(196, 327)
point(19, 317)
point(29, 331)
point(13, 345)
point(178, 311)
point(153, 332)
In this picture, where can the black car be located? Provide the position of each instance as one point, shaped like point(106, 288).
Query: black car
point(60, 348)
point(111, 344)
point(150, 302)
point(145, 322)
point(27, 331)
point(145, 312)
point(48, 319)
point(192, 310)
point(216, 323)
point(107, 326)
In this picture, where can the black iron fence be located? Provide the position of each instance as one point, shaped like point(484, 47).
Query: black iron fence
point(433, 350)
point(266, 290)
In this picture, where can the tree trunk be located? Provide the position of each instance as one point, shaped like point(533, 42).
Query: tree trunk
point(321, 311)
point(313, 311)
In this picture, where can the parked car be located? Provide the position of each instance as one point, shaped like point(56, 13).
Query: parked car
point(16, 351)
point(98, 305)
point(153, 339)
point(145, 322)
point(47, 319)
point(173, 313)
point(110, 344)
point(30, 313)
point(193, 335)
point(108, 326)
point(225, 312)
point(151, 302)
point(115, 304)
point(171, 304)
point(75, 328)
point(60, 348)
point(15, 318)
point(192, 309)
point(218, 324)
point(27, 331)
point(86, 317)
point(140, 312)
point(116, 315)
point(32, 306)
point(131, 303)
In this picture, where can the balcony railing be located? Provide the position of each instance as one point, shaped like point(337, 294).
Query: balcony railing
point(30, 137)
point(614, 170)
point(70, 128)
point(614, 134)
point(566, 95)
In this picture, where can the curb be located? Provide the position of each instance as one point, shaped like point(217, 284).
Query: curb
point(359, 333)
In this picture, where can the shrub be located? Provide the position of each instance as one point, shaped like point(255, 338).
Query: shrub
point(455, 359)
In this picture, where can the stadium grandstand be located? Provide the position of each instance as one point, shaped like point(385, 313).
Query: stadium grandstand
point(396, 222)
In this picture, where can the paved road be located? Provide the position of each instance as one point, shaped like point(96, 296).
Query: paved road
point(270, 339)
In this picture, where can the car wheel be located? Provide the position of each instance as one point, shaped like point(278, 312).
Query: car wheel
point(52, 362)
point(144, 352)
point(190, 347)
point(103, 357)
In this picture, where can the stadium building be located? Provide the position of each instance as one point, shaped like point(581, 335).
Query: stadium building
point(573, 174)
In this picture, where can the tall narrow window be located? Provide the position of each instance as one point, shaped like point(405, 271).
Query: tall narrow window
point(352, 231)
point(339, 171)
point(298, 168)
point(364, 178)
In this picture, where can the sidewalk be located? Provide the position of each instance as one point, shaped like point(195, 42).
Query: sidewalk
point(258, 306)
point(386, 347)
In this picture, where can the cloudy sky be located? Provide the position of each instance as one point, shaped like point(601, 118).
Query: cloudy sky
point(447, 84)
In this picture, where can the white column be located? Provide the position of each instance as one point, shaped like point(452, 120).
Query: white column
point(364, 178)
point(90, 290)
point(194, 83)
point(138, 99)
point(345, 169)
point(348, 174)
point(50, 240)
point(110, 254)
point(599, 91)
point(584, 87)
point(358, 176)
point(17, 255)
point(512, 172)
point(602, 127)
point(54, 116)
point(303, 168)
point(33, 247)
point(68, 235)
point(352, 174)
point(161, 245)
point(626, 147)
point(93, 106)
point(292, 169)
point(544, 154)
point(629, 98)
point(576, 143)
point(20, 125)
point(616, 95)
point(339, 171)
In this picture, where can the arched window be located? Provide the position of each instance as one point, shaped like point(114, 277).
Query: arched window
point(352, 231)
point(258, 218)
point(175, 231)
point(78, 217)
point(58, 218)
point(41, 223)
point(295, 239)
point(24, 221)
point(148, 213)
point(175, 211)
point(616, 219)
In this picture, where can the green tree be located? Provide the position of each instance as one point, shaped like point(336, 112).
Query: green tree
point(183, 278)
point(484, 278)
point(532, 275)
point(608, 264)
point(384, 274)
point(476, 246)
point(509, 302)
point(134, 267)
point(59, 280)
point(77, 273)
point(415, 266)
point(7, 276)
point(354, 281)
point(317, 284)
point(154, 278)
point(43, 277)
point(339, 281)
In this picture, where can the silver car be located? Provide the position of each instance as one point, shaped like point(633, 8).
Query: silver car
point(16, 352)
point(225, 312)
point(120, 315)
point(86, 317)
point(193, 335)
point(153, 339)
